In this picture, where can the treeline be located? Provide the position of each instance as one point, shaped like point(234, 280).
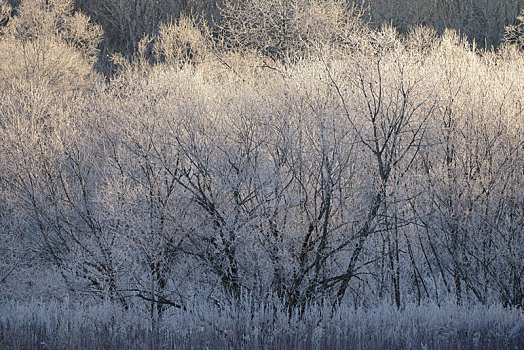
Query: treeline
point(315, 159)
point(126, 22)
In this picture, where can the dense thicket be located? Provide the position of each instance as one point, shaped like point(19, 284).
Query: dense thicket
point(318, 160)
point(484, 21)
point(126, 22)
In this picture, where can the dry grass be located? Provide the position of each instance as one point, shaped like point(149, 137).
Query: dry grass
point(65, 326)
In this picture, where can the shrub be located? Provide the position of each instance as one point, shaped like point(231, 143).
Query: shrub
point(46, 45)
point(288, 29)
point(5, 11)
point(125, 22)
point(514, 34)
point(181, 42)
